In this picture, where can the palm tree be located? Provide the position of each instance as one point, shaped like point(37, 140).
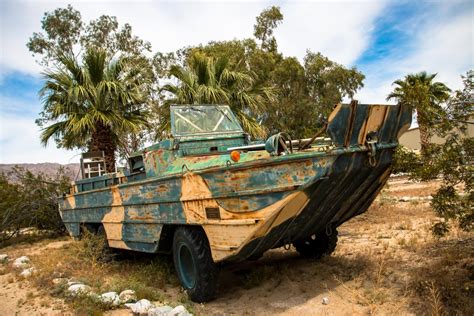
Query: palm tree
point(206, 80)
point(90, 105)
point(425, 96)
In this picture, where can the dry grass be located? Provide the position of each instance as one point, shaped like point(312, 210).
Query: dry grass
point(148, 276)
point(446, 282)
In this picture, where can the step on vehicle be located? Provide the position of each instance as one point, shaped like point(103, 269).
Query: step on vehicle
point(209, 195)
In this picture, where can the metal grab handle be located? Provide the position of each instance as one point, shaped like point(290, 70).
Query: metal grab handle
point(371, 143)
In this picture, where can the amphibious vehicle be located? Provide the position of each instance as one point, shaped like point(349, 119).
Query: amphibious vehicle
point(210, 196)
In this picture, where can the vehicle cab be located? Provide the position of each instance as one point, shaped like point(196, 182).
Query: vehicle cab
point(205, 129)
point(198, 132)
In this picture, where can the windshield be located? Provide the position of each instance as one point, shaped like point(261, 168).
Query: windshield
point(198, 119)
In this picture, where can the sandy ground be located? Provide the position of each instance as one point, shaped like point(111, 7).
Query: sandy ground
point(19, 297)
point(379, 256)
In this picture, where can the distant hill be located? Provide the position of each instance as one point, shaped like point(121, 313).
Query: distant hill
point(49, 169)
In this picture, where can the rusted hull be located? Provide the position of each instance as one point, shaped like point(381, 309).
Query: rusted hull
point(259, 203)
point(348, 192)
point(134, 214)
point(305, 196)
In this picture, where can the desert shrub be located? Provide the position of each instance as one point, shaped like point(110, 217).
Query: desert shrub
point(452, 161)
point(28, 200)
point(405, 160)
point(93, 248)
point(454, 200)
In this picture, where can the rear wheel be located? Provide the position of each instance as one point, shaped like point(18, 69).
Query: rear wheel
point(317, 246)
point(193, 262)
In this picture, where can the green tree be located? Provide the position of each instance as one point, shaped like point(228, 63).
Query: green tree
point(65, 34)
point(28, 200)
point(307, 93)
point(206, 80)
point(64, 30)
point(91, 105)
point(304, 94)
point(267, 21)
point(451, 161)
point(426, 97)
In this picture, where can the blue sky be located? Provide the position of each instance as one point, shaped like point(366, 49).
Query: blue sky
point(384, 39)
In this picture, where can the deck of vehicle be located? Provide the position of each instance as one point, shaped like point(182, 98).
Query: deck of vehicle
point(211, 192)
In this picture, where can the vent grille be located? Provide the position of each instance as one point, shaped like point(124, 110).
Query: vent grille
point(213, 213)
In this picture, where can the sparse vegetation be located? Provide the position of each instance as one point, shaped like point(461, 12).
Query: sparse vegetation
point(450, 161)
point(387, 261)
point(148, 276)
point(30, 201)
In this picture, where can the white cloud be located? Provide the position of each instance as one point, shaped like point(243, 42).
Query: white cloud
point(444, 47)
point(168, 26)
point(339, 30)
point(19, 143)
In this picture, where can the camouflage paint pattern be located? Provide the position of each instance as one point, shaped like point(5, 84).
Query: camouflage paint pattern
point(245, 207)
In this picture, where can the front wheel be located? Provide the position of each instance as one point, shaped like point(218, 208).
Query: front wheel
point(193, 262)
point(317, 246)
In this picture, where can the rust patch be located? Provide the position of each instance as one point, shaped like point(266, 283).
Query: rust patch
point(113, 220)
point(193, 187)
point(71, 201)
point(239, 176)
point(375, 119)
point(162, 188)
point(133, 215)
point(334, 112)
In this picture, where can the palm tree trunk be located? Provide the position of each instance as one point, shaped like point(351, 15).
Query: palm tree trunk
point(102, 140)
point(424, 138)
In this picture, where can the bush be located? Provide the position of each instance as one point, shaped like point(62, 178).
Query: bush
point(451, 161)
point(28, 200)
point(405, 160)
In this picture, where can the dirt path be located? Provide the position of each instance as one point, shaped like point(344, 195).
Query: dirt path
point(19, 297)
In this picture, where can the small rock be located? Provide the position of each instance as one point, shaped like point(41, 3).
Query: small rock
point(325, 301)
point(27, 272)
point(21, 263)
point(179, 310)
point(111, 298)
point(160, 311)
point(78, 289)
point(127, 296)
point(140, 307)
point(3, 258)
point(60, 281)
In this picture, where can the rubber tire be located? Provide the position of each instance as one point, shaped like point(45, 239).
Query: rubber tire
point(193, 241)
point(317, 246)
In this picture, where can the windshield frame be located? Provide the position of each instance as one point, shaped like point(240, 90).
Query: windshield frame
point(218, 107)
